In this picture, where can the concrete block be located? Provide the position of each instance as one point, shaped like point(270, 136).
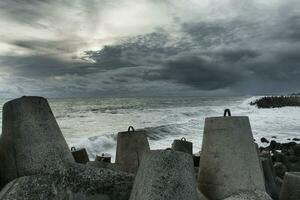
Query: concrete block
point(76, 182)
point(104, 158)
point(80, 155)
point(104, 165)
point(31, 141)
point(167, 175)
point(131, 146)
point(183, 146)
point(249, 195)
point(291, 186)
point(229, 160)
point(271, 187)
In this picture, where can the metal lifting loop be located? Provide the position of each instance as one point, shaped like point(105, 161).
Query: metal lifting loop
point(130, 129)
point(227, 111)
point(73, 149)
point(183, 139)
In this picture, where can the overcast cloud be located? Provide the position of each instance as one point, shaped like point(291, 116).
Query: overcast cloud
point(59, 48)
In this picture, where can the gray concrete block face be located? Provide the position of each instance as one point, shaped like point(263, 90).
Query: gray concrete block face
point(131, 146)
point(183, 146)
point(270, 184)
point(291, 186)
point(229, 160)
point(31, 141)
point(76, 182)
point(167, 175)
point(80, 155)
point(249, 195)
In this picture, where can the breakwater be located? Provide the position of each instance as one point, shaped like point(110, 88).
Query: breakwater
point(276, 101)
point(36, 163)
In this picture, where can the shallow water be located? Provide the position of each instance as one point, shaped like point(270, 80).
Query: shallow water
point(94, 122)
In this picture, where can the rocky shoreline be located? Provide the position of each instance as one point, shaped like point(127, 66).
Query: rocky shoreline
point(277, 101)
point(36, 163)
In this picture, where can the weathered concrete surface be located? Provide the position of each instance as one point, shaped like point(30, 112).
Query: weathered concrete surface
point(131, 146)
point(249, 195)
point(76, 182)
point(183, 146)
point(229, 160)
point(291, 186)
point(104, 165)
point(271, 187)
point(167, 175)
point(80, 155)
point(31, 141)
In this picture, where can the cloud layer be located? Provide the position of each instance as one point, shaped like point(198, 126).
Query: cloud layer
point(63, 48)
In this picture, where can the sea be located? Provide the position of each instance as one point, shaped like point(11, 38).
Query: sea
point(93, 123)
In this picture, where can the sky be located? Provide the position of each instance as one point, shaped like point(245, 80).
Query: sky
point(85, 48)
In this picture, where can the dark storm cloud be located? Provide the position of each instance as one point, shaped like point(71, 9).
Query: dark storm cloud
point(249, 53)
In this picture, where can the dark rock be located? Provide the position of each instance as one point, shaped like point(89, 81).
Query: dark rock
point(196, 159)
point(296, 139)
point(279, 169)
point(274, 137)
point(275, 145)
point(280, 157)
point(296, 150)
point(264, 140)
point(293, 159)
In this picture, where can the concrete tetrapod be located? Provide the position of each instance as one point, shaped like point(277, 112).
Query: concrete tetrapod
point(291, 186)
point(270, 184)
point(167, 175)
point(229, 160)
point(31, 141)
point(75, 182)
point(80, 155)
point(249, 195)
point(183, 146)
point(131, 146)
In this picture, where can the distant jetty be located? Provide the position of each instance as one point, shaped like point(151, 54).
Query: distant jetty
point(277, 101)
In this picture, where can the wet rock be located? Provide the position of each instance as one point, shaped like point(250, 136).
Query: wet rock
point(275, 145)
point(280, 169)
point(264, 140)
point(296, 150)
point(293, 159)
point(280, 157)
point(296, 139)
point(196, 159)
